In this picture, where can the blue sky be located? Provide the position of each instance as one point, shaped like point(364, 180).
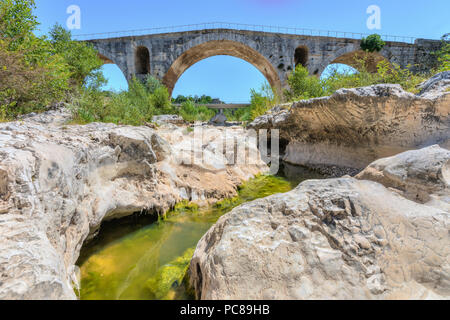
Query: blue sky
point(217, 76)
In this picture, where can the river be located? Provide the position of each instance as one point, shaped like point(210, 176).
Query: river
point(145, 258)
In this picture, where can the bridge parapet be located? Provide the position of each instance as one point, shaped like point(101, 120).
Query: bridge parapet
point(241, 27)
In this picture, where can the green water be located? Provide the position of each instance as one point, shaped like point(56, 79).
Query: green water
point(143, 259)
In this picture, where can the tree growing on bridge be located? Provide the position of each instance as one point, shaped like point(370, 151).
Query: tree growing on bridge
point(372, 43)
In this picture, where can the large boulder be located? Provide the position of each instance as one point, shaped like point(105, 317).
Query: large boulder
point(419, 175)
point(355, 127)
point(334, 239)
point(219, 119)
point(436, 85)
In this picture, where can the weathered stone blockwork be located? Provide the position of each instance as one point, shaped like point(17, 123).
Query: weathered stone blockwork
point(273, 54)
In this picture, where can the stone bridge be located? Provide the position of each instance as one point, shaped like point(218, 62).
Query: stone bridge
point(168, 55)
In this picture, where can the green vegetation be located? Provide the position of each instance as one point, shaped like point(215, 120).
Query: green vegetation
point(443, 55)
point(262, 100)
point(260, 187)
point(192, 112)
point(82, 60)
point(169, 276)
point(373, 43)
point(133, 107)
point(303, 86)
point(38, 71)
point(204, 99)
point(242, 115)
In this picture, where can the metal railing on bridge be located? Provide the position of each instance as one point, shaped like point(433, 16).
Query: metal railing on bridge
point(239, 26)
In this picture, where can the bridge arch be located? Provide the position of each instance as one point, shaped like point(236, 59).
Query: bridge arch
point(114, 70)
point(301, 56)
point(216, 48)
point(110, 57)
point(351, 57)
point(105, 59)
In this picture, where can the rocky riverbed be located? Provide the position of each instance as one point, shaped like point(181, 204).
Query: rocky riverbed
point(383, 234)
point(59, 182)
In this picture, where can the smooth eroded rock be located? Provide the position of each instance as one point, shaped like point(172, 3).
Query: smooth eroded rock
point(419, 175)
point(59, 182)
point(335, 239)
point(354, 127)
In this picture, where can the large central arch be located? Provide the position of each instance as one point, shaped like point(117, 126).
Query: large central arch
point(217, 48)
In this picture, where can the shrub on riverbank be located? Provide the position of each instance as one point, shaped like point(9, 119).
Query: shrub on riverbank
point(191, 112)
point(262, 100)
point(136, 106)
point(303, 86)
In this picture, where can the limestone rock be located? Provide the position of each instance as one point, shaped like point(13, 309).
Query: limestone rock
point(420, 175)
point(436, 85)
point(354, 127)
point(335, 239)
point(168, 119)
point(138, 144)
point(219, 119)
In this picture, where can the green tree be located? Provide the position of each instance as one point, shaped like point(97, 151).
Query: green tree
point(372, 43)
point(262, 100)
point(152, 84)
point(31, 75)
point(17, 21)
point(81, 58)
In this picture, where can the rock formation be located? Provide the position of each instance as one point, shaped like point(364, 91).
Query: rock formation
point(355, 127)
point(337, 239)
point(383, 235)
point(59, 182)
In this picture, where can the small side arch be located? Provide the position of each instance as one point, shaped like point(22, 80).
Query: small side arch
point(301, 56)
point(108, 56)
point(353, 59)
point(142, 61)
point(111, 70)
